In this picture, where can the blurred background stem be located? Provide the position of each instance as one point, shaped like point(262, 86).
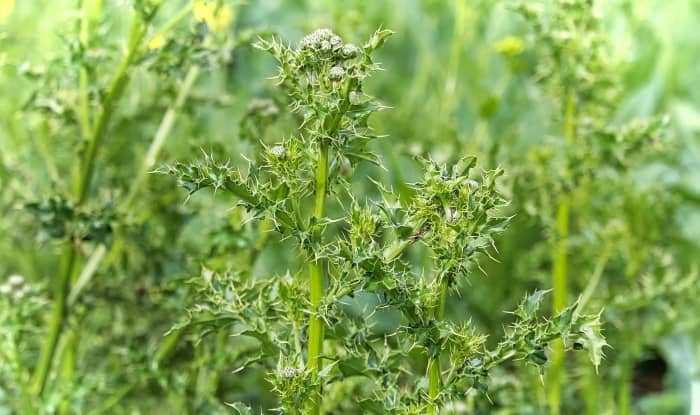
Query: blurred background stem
point(81, 191)
point(560, 282)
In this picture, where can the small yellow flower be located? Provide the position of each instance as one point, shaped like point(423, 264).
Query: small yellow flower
point(203, 10)
point(6, 7)
point(217, 18)
point(223, 19)
point(510, 46)
point(156, 42)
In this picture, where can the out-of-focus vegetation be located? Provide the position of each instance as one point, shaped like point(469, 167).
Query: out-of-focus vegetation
point(120, 293)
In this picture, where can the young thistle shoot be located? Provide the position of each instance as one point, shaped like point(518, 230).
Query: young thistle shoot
point(455, 215)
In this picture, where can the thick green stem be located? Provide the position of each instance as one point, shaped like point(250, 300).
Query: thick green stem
point(589, 384)
point(55, 324)
point(90, 9)
point(316, 272)
point(559, 269)
point(590, 387)
point(317, 266)
point(84, 81)
point(434, 375)
point(560, 298)
point(114, 93)
point(63, 284)
point(624, 393)
point(72, 339)
point(82, 185)
point(560, 281)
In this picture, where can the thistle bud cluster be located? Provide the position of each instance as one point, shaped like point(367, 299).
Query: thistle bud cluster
point(323, 55)
point(321, 39)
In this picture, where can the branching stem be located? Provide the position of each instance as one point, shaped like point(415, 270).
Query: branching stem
point(317, 265)
point(81, 188)
point(560, 280)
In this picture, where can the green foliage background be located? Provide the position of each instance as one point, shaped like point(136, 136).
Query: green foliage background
point(460, 78)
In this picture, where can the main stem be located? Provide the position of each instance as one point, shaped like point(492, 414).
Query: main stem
point(591, 392)
point(317, 266)
point(57, 318)
point(90, 8)
point(434, 375)
point(114, 93)
point(560, 281)
point(84, 81)
point(316, 271)
point(82, 185)
point(624, 392)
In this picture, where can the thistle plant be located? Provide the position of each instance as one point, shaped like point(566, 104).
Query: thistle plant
point(119, 294)
point(302, 327)
point(585, 181)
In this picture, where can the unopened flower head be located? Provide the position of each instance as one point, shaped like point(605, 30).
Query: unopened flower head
point(322, 39)
point(336, 73)
point(350, 50)
point(277, 151)
point(288, 372)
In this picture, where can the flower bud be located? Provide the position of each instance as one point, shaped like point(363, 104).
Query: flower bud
point(350, 50)
point(277, 151)
point(325, 46)
point(336, 41)
point(315, 39)
point(336, 73)
point(288, 372)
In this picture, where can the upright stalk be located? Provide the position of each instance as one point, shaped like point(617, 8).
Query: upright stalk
point(55, 324)
point(591, 391)
point(84, 81)
point(163, 132)
point(624, 392)
point(89, 9)
point(459, 38)
point(589, 384)
point(114, 93)
point(81, 188)
point(560, 281)
point(434, 375)
point(317, 266)
point(316, 273)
